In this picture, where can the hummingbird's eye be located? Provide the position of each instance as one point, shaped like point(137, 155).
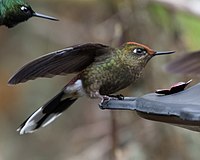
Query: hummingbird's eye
point(24, 9)
point(139, 51)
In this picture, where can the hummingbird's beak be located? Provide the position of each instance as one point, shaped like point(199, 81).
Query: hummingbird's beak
point(163, 52)
point(44, 16)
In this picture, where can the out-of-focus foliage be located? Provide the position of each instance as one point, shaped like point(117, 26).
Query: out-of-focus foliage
point(84, 131)
point(190, 24)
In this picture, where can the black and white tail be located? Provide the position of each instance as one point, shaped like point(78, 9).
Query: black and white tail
point(47, 113)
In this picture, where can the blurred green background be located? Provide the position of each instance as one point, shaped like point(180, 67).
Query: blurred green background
point(84, 131)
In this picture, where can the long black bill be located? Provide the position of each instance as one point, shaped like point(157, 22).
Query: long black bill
point(164, 52)
point(44, 16)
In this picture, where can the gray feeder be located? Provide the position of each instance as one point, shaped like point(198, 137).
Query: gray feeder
point(180, 109)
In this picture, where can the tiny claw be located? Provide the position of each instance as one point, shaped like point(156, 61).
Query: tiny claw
point(117, 97)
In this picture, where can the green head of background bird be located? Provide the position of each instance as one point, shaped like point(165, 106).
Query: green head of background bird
point(101, 71)
point(13, 12)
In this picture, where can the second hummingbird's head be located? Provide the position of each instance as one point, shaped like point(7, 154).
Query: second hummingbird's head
point(140, 53)
point(18, 11)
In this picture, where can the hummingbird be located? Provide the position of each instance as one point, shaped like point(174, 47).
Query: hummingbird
point(186, 64)
point(101, 71)
point(13, 12)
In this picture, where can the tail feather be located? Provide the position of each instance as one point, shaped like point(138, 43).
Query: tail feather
point(187, 64)
point(47, 113)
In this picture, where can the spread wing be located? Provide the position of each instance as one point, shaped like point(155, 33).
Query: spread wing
point(69, 60)
point(187, 64)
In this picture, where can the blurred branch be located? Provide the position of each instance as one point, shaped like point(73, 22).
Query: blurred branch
point(114, 135)
point(95, 151)
point(97, 130)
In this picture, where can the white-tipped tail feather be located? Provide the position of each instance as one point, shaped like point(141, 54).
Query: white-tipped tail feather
point(47, 113)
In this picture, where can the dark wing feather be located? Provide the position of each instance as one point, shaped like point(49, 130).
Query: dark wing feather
point(187, 64)
point(69, 60)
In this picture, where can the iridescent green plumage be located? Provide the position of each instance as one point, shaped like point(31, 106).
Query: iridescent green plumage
point(13, 12)
point(113, 73)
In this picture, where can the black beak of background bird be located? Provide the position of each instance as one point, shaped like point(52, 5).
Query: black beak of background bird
point(44, 16)
point(163, 52)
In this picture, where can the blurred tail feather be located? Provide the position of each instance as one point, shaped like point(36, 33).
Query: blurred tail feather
point(187, 64)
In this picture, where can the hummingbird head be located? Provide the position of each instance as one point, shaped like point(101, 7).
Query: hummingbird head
point(18, 11)
point(140, 54)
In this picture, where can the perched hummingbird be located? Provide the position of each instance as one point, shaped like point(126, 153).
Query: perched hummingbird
point(13, 12)
point(186, 64)
point(101, 71)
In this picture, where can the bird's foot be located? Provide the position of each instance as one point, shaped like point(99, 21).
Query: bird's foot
point(106, 98)
point(117, 97)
